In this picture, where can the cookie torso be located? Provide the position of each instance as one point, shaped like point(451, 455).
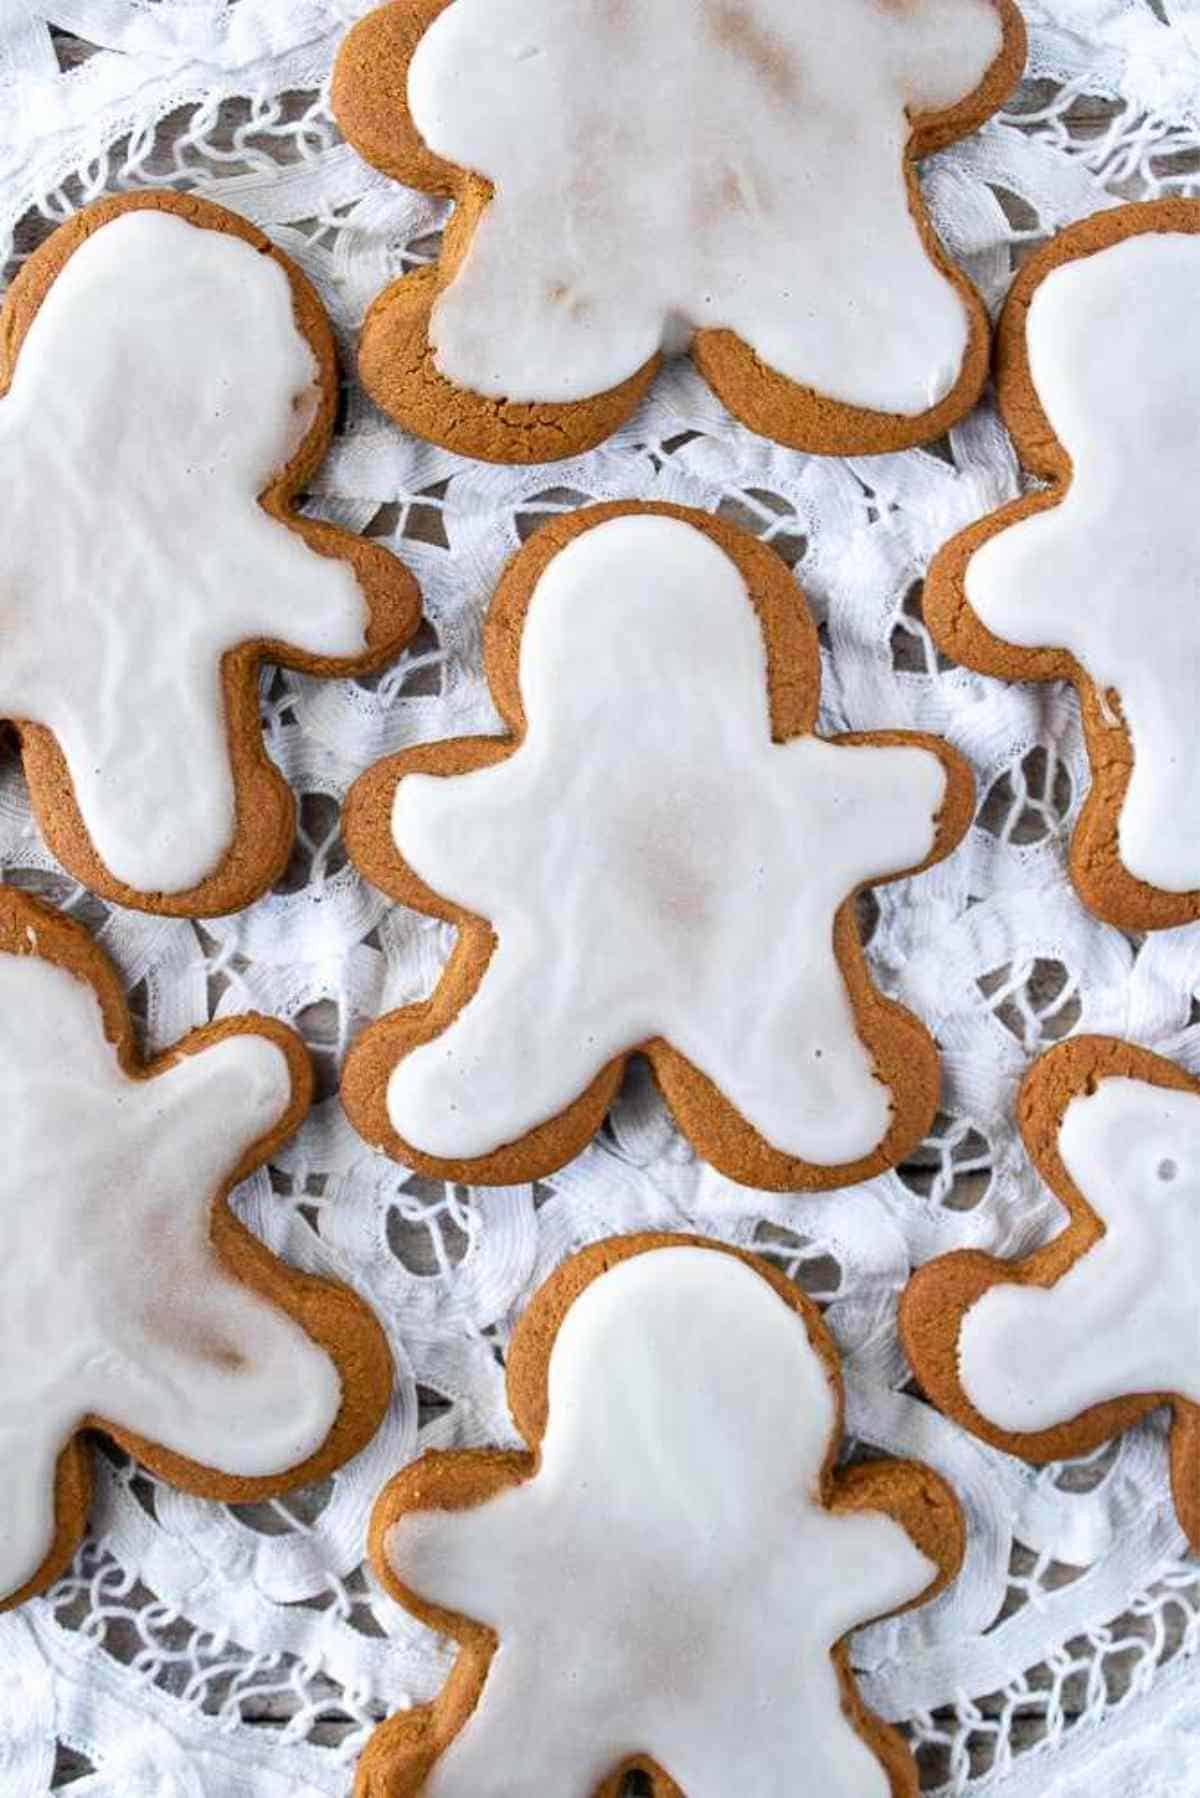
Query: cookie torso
point(1112, 572)
point(655, 865)
point(666, 168)
point(161, 385)
point(1125, 1318)
point(652, 1596)
point(113, 1302)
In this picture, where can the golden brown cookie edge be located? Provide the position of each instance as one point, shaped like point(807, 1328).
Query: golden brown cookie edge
point(264, 825)
point(331, 1314)
point(903, 1050)
point(403, 1749)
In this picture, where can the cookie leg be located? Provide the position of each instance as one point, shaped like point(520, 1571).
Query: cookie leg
point(501, 1068)
point(798, 1072)
point(714, 1753)
point(504, 1752)
point(158, 803)
point(1027, 1353)
point(558, 318)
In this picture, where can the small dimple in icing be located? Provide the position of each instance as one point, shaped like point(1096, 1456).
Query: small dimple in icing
point(646, 831)
point(1112, 572)
point(112, 1301)
point(1125, 1318)
point(671, 166)
point(161, 386)
point(668, 1584)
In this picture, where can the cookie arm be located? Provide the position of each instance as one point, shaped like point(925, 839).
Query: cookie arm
point(317, 606)
point(203, 1366)
point(893, 801)
point(462, 1561)
point(890, 1571)
point(449, 829)
point(1007, 576)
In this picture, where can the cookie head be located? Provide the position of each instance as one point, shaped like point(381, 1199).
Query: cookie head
point(654, 1603)
point(184, 345)
point(171, 382)
point(634, 179)
point(661, 806)
point(1114, 364)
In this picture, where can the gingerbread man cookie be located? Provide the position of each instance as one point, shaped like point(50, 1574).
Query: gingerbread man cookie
point(169, 384)
point(733, 176)
point(131, 1299)
point(1049, 1356)
point(666, 1579)
point(1093, 579)
point(661, 856)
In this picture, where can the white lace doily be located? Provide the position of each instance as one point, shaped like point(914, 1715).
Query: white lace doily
point(243, 1652)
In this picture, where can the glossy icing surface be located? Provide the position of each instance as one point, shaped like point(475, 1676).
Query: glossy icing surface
point(668, 1584)
point(678, 165)
point(112, 1300)
point(645, 830)
point(1110, 573)
point(160, 387)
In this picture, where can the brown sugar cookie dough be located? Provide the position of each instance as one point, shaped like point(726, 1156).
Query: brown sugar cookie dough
point(1049, 1356)
point(660, 856)
point(1091, 578)
point(734, 178)
point(168, 383)
point(665, 1578)
point(132, 1301)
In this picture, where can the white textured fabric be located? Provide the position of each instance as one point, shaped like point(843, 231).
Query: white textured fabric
point(1062, 1661)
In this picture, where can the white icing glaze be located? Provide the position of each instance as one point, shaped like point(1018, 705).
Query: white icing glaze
point(1111, 573)
point(668, 1583)
point(162, 384)
point(112, 1300)
point(674, 165)
point(1126, 1317)
point(645, 831)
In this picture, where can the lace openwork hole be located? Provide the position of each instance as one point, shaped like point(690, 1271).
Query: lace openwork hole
point(69, 1765)
point(551, 502)
point(318, 852)
point(768, 516)
point(913, 649)
point(804, 1261)
point(952, 1167)
point(71, 52)
point(1037, 1000)
point(283, 1516)
point(320, 1026)
point(430, 1226)
point(1029, 801)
